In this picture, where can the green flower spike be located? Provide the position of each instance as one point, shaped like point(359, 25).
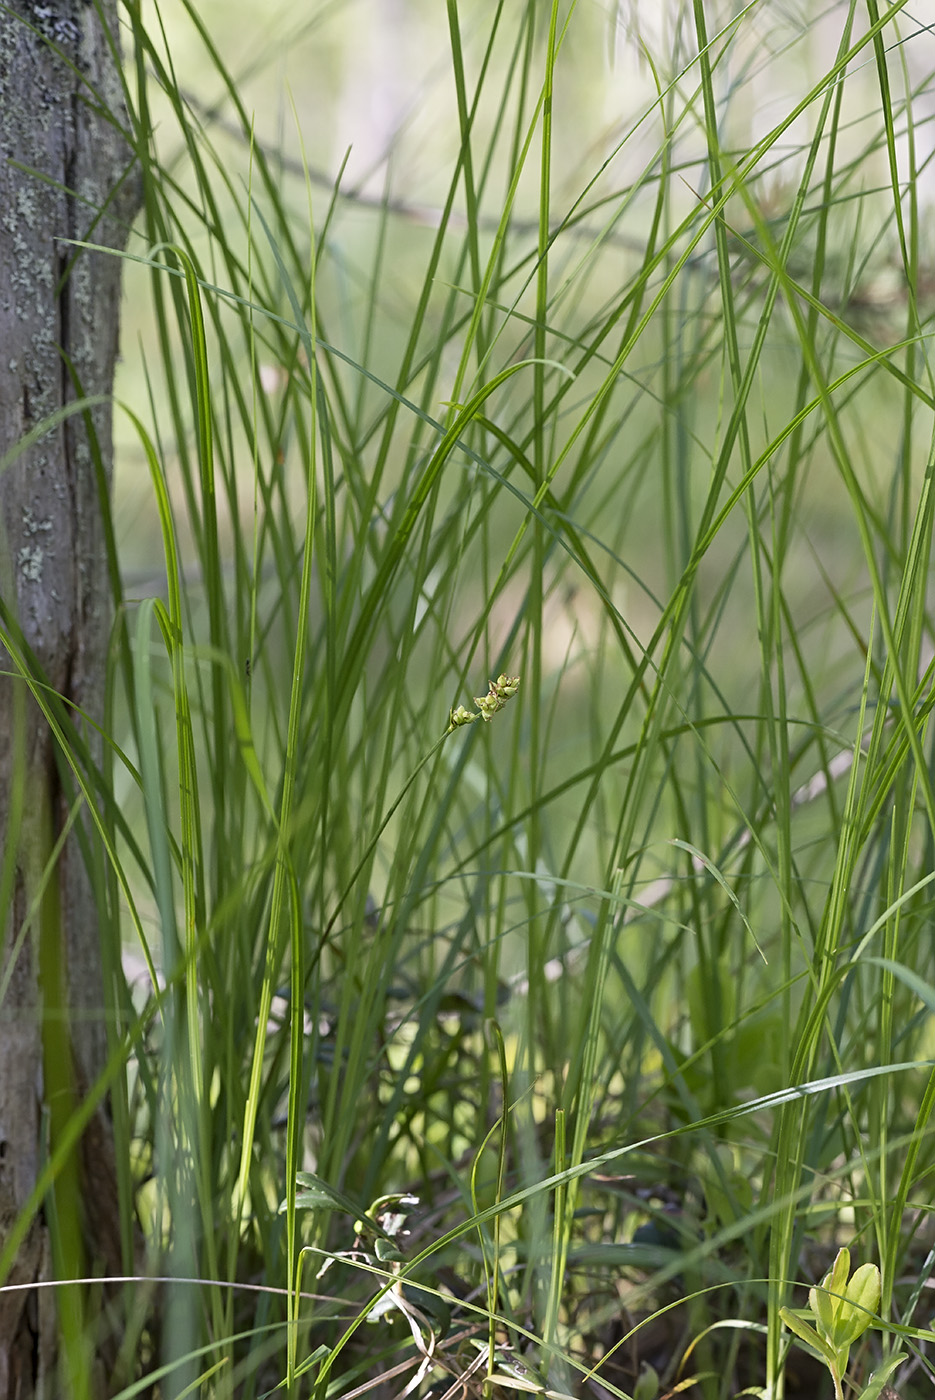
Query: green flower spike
point(499, 692)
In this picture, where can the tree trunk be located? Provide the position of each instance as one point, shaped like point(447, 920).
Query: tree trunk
point(62, 155)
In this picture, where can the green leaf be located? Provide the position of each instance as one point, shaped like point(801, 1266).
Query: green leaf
point(825, 1300)
point(318, 1195)
point(647, 1386)
point(880, 1376)
point(861, 1300)
point(807, 1334)
point(387, 1252)
point(517, 1383)
point(864, 1288)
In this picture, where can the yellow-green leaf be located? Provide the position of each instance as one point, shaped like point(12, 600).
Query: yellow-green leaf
point(862, 1298)
point(825, 1300)
point(809, 1336)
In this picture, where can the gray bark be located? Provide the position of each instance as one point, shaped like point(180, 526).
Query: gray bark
point(53, 580)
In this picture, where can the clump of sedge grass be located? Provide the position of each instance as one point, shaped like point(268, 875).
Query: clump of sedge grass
point(651, 953)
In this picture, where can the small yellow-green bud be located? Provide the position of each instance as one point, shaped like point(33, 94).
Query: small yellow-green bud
point(487, 704)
